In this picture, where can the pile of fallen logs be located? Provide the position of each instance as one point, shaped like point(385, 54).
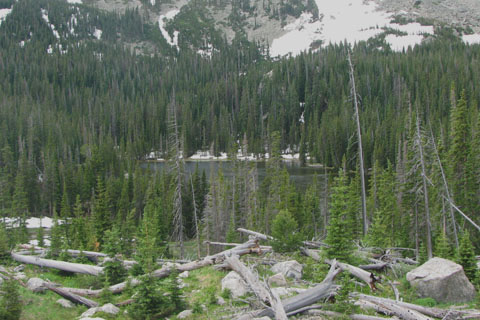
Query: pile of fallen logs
point(310, 302)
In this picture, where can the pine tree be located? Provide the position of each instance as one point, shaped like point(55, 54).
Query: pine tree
point(442, 247)
point(55, 237)
point(339, 237)
point(10, 303)
point(101, 212)
point(459, 148)
point(4, 247)
point(466, 257)
point(286, 233)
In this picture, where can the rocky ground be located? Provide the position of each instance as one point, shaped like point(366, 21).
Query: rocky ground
point(463, 13)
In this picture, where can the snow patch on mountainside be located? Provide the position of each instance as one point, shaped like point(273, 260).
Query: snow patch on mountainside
point(4, 13)
point(162, 20)
point(97, 33)
point(345, 20)
point(74, 1)
point(51, 26)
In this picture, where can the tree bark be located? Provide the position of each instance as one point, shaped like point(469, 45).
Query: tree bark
point(60, 265)
point(323, 290)
point(360, 147)
point(259, 288)
point(72, 297)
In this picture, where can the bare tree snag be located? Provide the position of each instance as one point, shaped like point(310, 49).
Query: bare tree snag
point(425, 189)
point(360, 146)
point(259, 288)
point(60, 265)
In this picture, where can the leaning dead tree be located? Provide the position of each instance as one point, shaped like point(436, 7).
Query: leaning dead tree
point(360, 146)
point(447, 189)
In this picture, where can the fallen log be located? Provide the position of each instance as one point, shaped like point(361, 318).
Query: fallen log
point(60, 265)
point(259, 288)
point(428, 311)
point(74, 253)
point(316, 312)
point(72, 297)
point(375, 266)
point(250, 246)
point(256, 234)
point(324, 290)
point(367, 277)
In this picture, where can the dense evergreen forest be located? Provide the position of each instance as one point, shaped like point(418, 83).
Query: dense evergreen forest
point(78, 115)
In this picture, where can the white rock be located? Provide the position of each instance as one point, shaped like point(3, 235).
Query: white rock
point(90, 312)
point(262, 318)
point(88, 318)
point(184, 314)
point(109, 308)
point(220, 301)
point(235, 284)
point(65, 303)
point(277, 279)
point(36, 285)
point(20, 276)
point(443, 280)
point(184, 274)
point(291, 269)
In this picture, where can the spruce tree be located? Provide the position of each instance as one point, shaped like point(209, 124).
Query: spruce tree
point(442, 247)
point(339, 236)
point(286, 233)
point(10, 303)
point(101, 212)
point(466, 257)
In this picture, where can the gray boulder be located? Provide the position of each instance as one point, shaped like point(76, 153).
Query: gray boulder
point(65, 303)
point(185, 314)
point(442, 280)
point(36, 285)
point(107, 308)
point(291, 269)
point(235, 284)
point(277, 279)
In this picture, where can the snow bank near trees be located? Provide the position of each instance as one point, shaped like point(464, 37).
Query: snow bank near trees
point(345, 20)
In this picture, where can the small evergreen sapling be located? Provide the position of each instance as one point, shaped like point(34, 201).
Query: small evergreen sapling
point(285, 232)
point(466, 257)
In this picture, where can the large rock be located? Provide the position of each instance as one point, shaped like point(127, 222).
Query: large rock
point(278, 280)
point(185, 314)
point(442, 280)
point(65, 303)
point(235, 284)
point(107, 308)
point(291, 269)
point(36, 285)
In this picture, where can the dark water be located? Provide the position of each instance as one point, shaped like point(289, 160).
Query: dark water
point(301, 176)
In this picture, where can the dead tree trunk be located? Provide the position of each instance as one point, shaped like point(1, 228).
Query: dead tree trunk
point(447, 190)
point(324, 290)
point(259, 288)
point(60, 265)
point(360, 147)
point(425, 189)
point(72, 297)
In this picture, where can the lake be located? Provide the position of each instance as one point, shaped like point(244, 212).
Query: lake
point(301, 176)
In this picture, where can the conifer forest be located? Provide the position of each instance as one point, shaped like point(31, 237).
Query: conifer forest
point(96, 138)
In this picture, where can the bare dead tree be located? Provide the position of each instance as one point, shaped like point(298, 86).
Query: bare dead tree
point(445, 186)
point(195, 216)
point(419, 145)
point(360, 146)
point(177, 168)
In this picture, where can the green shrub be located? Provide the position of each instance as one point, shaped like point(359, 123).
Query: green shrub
point(426, 302)
point(10, 304)
point(285, 232)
